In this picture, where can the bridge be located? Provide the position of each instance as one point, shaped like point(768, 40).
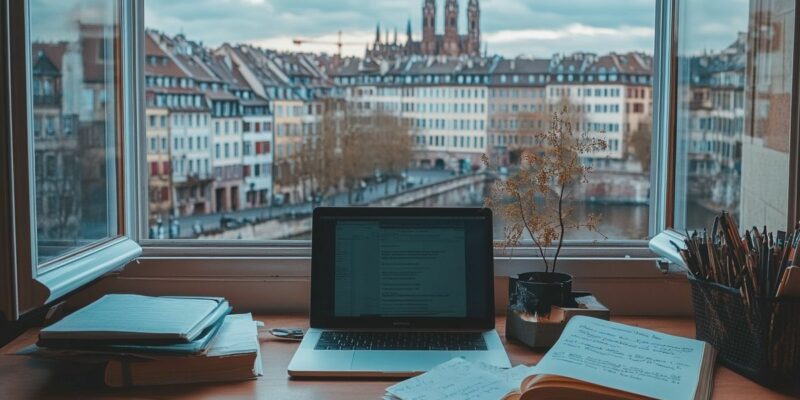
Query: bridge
point(456, 190)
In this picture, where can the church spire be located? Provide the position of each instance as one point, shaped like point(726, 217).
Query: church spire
point(378, 33)
point(408, 30)
point(395, 35)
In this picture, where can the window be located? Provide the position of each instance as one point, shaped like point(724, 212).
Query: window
point(740, 79)
point(70, 234)
point(620, 190)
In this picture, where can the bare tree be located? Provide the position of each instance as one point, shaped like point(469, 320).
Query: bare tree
point(350, 147)
point(639, 143)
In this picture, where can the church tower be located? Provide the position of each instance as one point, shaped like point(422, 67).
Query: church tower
point(451, 37)
point(473, 28)
point(429, 27)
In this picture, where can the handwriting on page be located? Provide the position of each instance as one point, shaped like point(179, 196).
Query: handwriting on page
point(626, 358)
point(613, 351)
point(459, 379)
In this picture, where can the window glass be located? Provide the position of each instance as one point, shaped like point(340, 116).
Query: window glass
point(408, 110)
point(734, 111)
point(73, 82)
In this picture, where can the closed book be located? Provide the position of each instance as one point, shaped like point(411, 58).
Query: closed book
point(198, 346)
point(234, 354)
point(134, 319)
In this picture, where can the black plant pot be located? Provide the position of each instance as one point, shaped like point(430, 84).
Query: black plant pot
point(538, 291)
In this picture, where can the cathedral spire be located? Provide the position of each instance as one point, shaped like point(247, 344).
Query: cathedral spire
point(395, 35)
point(378, 33)
point(408, 30)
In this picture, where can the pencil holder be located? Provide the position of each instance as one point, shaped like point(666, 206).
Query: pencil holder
point(760, 341)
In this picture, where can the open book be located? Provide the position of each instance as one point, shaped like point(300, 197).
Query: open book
point(593, 358)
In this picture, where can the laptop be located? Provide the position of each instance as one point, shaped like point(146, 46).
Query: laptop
point(397, 291)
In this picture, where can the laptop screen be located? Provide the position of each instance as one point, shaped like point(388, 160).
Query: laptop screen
point(412, 268)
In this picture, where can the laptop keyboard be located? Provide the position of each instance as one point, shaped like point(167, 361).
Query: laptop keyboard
point(338, 340)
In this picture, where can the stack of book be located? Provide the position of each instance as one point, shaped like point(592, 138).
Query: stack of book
point(157, 340)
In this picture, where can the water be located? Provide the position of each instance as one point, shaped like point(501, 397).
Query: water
point(616, 221)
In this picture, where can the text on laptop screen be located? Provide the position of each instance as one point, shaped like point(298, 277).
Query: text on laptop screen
point(408, 267)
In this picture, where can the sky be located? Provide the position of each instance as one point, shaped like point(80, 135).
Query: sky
point(538, 28)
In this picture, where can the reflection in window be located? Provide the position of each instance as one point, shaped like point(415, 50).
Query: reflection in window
point(74, 121)
point(734, 115)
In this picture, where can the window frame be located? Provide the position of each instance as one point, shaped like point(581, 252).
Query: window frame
point(274, 254)
point(28, 284)
point(169, 254)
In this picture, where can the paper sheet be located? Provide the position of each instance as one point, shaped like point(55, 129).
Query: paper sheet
point(627, 358)
point(236, 336)
point(460, 379)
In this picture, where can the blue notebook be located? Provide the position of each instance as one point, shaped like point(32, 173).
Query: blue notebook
point(138, 320)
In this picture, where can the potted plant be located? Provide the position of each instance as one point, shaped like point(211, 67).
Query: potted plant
point(535, 203)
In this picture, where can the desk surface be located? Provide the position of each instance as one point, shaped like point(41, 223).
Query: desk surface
point(23, 377)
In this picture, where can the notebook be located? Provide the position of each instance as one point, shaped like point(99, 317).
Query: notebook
point(197, 346)
point(593, 358)
point(234, 354)
point(135, 319)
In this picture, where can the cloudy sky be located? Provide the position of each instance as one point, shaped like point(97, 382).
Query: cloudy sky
point(510, 27)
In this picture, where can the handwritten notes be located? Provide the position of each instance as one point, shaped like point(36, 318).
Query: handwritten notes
point(459, 379)
point(627, 358)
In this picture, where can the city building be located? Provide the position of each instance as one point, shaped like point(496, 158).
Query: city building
point(709, 164)
point(55, 142)
point(173, 87)
point(157, 126)
point(517, 107)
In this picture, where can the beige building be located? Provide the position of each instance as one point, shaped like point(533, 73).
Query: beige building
point(517, 107)
point(159, 167)
point(288, 130)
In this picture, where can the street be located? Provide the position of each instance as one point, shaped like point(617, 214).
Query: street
point(372, 192)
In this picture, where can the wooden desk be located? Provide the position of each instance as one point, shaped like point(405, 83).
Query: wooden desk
point(23, 377)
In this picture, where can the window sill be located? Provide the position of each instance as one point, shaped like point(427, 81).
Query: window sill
point(277, 279)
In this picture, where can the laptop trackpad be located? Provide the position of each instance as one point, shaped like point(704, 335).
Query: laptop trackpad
point(400, 361)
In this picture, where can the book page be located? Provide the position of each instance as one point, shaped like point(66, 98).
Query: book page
point(238, 335)
point(627, 358)
point(460, 379)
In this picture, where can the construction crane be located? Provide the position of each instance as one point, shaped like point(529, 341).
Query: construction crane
point(338, 43)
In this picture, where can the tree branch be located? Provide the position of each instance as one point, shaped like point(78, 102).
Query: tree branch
point(530, 231)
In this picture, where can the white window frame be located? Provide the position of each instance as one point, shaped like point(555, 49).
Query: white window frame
point(27, 285)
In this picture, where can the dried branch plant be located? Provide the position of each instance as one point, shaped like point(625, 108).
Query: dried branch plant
point(535, 200)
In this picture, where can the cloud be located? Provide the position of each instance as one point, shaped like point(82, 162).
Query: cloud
point(567, 33)
point(571, 38)
point(510, 27)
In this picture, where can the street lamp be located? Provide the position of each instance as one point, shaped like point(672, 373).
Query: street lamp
point(252, 194)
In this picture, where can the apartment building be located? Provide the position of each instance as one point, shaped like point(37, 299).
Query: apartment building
point(257, 148)
point(608, 97)
point(446, 102)
point(170, 85)
point(517, 106)
point(55, 144)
